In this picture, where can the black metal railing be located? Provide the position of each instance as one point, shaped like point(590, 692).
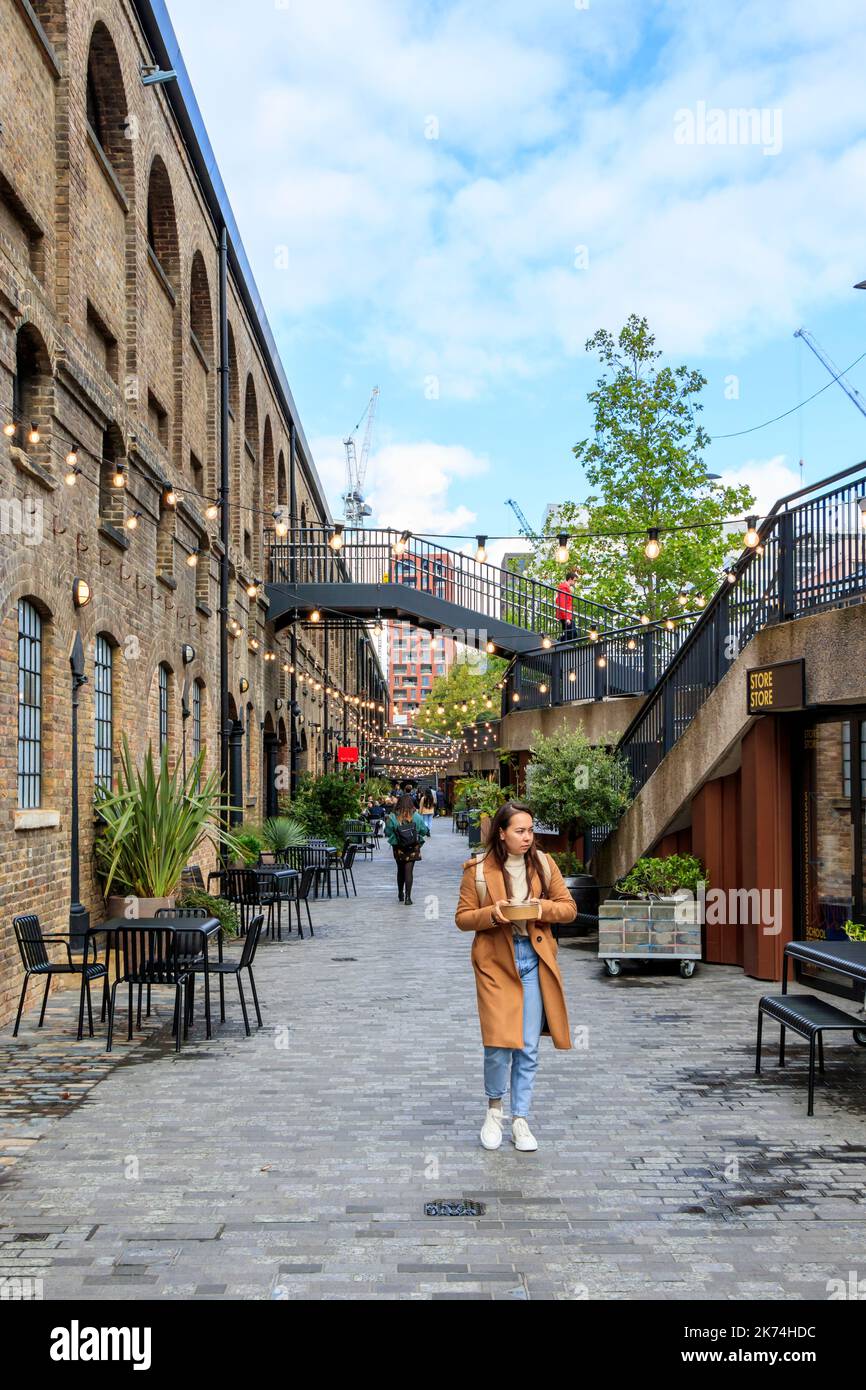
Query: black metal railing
point(811, 557)
point(621, 661)
point(380, 556)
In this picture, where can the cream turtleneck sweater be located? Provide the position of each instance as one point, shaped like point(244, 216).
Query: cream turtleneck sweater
point(516, 866)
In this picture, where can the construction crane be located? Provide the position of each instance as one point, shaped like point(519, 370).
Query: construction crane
point(355, 509)
point(822, 357)
point(525, 527)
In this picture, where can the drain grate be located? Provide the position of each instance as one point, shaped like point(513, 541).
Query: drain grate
point(454, 1208)
point(344, 957)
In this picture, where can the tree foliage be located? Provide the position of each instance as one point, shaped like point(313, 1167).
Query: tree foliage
point(466, 683)
point(645, 467)
point(575, 784)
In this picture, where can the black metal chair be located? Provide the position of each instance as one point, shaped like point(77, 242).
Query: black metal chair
point(341, 864)
point(222, 968)
point(190, 945)
point(357, 833)
point(36, 961)
point(150, 956)
point(249, 891)
point(191, 877)
point(301, 888)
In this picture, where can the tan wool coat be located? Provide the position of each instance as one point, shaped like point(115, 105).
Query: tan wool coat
point(497, 980)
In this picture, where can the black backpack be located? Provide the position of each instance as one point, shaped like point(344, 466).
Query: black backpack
point(406, 834)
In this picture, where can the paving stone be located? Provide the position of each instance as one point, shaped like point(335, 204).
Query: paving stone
point(296, 1162)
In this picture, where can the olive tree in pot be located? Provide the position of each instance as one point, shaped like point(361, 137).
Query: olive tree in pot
point(152, 825)
point(483, 799)
point(575, 784)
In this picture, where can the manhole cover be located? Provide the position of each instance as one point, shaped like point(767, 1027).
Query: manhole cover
point(455, 1208)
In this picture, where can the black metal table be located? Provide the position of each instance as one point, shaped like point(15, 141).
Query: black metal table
point(208, 926)
point(284, 877)
point(846, 958)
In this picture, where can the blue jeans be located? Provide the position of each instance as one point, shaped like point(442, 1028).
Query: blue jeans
point(524, 1062)
point(427, 817)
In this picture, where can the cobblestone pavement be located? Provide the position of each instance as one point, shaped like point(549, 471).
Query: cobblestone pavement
point(296, 1163)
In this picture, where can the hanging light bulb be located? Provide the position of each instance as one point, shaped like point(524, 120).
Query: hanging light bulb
point(132, 521)
point(593, 634)
point(572, 675)
point(72, 456)
point(400, 544)
point(602, 660)
point(9, 428)
point(169, 497)
point(192, 559)
point(335, 540)
point(481, 550)
point(751, 538)
point(545, 641)
point(377, 626)
point(700, 601)
point(644, 617)
point(34, 436)
point(212, 511)
point(71, 477)
point(631, 644)
point(682, 598)
point(253, 588)
point(731, 575)
point(561, 549)
point(119, 479)
point(542, 690)
point(652, 549)
point(669, 624)
point(516, 698)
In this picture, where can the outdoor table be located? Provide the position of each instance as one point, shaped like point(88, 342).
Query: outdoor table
point(209, 926)
point(284, 877)
point(846, 958)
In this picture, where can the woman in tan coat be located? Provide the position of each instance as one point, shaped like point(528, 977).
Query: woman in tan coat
point(517, 979)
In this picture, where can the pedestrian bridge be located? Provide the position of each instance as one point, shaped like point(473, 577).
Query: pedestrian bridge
point(391, 574)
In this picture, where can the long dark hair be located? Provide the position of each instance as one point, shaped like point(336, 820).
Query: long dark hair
point(494, 845)
point(405, 808)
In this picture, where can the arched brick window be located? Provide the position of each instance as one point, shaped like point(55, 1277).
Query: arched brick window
point(107, 108)
point(30, 662)
point(162, 238)
point(251, 521)
point(200, 309)
point(103, 710)
point(32, 394)
point(282, 488)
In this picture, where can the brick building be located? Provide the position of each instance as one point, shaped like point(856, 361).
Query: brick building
point(415, 656)
point(111, 216)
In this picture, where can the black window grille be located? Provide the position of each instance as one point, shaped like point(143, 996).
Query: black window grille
point(29, 706)
point(103, 712)
point(163, 707)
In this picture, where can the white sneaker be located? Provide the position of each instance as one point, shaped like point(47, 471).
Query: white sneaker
point(522, 1137)
point(491, 1130)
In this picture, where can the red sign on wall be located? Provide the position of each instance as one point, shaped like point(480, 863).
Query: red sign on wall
point(347, 755)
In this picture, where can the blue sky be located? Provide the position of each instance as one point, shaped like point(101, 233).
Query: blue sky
point(446, 199)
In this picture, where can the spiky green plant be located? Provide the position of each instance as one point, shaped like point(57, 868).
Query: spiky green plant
point(155, 821)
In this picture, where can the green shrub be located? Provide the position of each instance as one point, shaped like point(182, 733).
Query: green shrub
point(216, 907)
point(856, 931)
point(323, 803)
point(575, 784)
point(662, 877)
point(251, 844)
point(567, 862)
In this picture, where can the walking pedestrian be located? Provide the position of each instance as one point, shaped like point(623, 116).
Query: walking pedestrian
point(564, 606)
point(427, 807)
point(440, 801)
point(517, 980)
point(405, 832)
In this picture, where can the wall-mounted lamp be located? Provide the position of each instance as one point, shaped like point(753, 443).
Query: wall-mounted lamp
point(152, 75)
point(81, 593)
point(244, 685)
point(187, 653)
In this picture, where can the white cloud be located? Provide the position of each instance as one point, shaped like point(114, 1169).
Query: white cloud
point(455, 256)
point(769, 479)
point(407, 485)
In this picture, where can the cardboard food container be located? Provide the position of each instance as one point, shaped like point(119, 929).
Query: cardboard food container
point(520, 912)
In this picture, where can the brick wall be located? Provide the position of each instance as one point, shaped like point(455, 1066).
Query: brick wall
point(118, 311)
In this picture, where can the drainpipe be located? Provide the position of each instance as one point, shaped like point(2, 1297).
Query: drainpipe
point(223, 499)
point(293, 640)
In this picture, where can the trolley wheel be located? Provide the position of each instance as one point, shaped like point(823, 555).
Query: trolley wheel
point(612, 967)
point(860, 1036)
point(687, 969)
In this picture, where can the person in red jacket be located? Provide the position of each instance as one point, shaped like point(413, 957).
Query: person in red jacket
point(565, 605)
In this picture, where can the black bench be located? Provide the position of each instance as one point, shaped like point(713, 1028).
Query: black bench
point(811, 1017)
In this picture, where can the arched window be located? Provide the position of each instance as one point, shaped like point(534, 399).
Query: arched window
point(32, 392)
point(112, 478)
point(29, 706)
point(163, 705)
point(200, 311)
point(249, 735)
point(107, 108)
point(103, 711)
point(162, 238)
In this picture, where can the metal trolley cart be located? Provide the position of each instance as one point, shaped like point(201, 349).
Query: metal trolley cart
point(654, 929)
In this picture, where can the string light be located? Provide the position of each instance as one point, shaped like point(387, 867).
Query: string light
point(72, 456)
point(481, 550)
point(34, 435)
point(169, 497)
point(9, 428)
point(335, 540)
point(132, 521)
point(652, 549)
point(561, 549)
point(751, 538)
point(119, 479)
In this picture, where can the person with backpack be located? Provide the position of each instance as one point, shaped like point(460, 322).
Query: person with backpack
point(517, 981)
point(405, 831)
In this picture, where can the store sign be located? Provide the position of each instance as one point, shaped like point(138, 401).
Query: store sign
point(347, 755)
point(776, 689)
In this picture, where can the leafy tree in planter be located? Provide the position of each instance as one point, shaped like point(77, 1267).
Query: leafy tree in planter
point(575, 784)
point(322, 804)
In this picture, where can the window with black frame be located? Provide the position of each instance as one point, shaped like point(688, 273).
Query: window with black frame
point(103, 712)
point(29, 706)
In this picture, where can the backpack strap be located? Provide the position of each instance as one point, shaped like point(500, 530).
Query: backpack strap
point(545, 867)
point(480, 882)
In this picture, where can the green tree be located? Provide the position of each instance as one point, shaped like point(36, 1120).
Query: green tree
point(465, 685)
point(323, 803)
point(645, 464)
point(575, 784)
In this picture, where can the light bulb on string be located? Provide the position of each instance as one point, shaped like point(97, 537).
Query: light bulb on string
point(561, 548)
point(652, 549)
point(751, 538)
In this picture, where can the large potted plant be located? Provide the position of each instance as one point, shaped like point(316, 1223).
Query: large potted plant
point(575, 784)
point(279, 834)
point(151, 827)
point(482, 798)
point(322, 804)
